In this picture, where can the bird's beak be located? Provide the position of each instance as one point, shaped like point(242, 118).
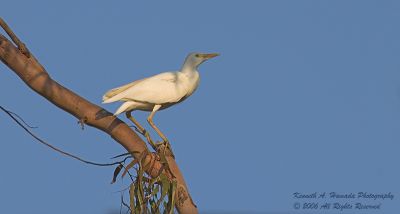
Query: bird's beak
point(209, 56)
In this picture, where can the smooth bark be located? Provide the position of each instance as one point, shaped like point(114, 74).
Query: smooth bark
point(24, 64)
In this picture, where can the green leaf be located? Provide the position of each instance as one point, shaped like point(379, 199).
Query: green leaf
point(132, 197)
point(153, 207)
point(165, 208)
point(171, 197)
point(130, 165)
point(138, 196)
point(164, 188)
point(155, 190)
point(116, 172)
point(164, 185)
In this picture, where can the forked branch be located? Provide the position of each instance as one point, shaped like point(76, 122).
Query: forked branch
point(24, 64)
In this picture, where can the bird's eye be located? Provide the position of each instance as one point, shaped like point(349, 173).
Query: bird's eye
point(197, 55)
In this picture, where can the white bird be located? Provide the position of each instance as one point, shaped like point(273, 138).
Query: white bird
point(158, 92)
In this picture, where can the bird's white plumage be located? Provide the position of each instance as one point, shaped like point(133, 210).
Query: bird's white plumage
point(168, 87)
point(163, 89)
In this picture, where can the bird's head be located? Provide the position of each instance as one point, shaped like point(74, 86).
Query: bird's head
point(193, 60)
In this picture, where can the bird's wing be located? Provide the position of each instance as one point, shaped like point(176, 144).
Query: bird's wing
point(158, 89)
point(111, 93)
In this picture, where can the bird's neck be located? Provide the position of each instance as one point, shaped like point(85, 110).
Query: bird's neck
point(189, 69)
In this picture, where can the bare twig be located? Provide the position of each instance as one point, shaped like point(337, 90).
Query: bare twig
point(22, 120)
point(121, 155)
point(53, 147)
point(25, 65)
point(123, 203)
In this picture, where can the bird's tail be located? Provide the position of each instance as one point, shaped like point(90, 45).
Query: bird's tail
point(124, 107)
point(113, 95)
point(111, 99)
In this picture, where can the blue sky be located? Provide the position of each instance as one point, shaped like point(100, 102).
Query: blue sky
point(305, 97)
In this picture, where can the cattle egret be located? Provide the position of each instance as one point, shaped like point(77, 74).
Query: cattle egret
point(158, 92)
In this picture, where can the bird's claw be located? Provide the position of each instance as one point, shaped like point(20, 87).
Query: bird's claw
point(163, 143)
point(163, 147)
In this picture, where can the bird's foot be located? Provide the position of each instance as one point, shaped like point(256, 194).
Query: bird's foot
point(164, 147)
point(163, 143)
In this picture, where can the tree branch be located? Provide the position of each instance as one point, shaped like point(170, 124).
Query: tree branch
point(21, 46)
point(35, 76)
point(11, 114)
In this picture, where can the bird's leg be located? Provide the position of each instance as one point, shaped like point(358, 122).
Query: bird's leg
point(165, 145)
point(150, 120)
point(140, 129)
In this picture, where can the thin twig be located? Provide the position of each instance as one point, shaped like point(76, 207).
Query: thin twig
point(121, 155)
point(20, 118)
point(53, 147)
point(130, 175)
point(21, 46)
point(123, 203)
